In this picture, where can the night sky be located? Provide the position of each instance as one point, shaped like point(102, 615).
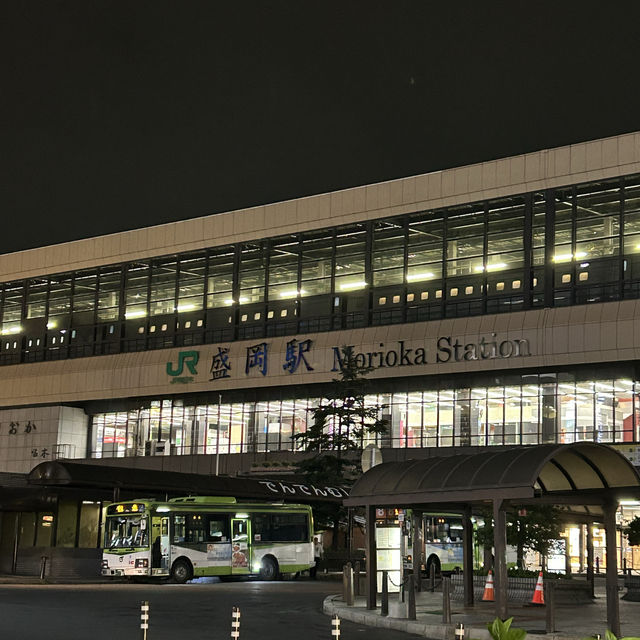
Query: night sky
point(117, 115)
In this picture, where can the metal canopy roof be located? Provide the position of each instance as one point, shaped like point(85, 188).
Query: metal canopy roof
point(581, 473)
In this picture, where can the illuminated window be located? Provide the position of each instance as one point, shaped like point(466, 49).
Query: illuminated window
point(439, 293)
point(199, 323)
point(164, 327)
point(283, 313)
point(424, 295)
point(270, 314)
point(453, 292)
point(187, 324)
point(516, 284)
point(396, 299)
point(535, 282)
point(410, 297)
point(499, 286)
point(468, 290)
point(152, 329)
point(243, 318)
point(583, 275)
point(566, 277)
point(256, 316)
point(382, 301)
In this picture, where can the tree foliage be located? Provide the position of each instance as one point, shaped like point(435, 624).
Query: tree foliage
point(536, 531)
point(338, 426)
point(632, 531)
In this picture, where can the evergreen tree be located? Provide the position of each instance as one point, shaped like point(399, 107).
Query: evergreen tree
point(334, 437)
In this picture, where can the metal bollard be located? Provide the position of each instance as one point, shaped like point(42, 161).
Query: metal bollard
point(144, 619)
point(459, 632)
point(43, 566)
point(432, 577)
point(446, 600)
point(411, 602)
point(356, 579)
point(550, 602)
point(384, 609)
point(597, 564)
point(335, 627)
point(347, 584)
point(235, 622)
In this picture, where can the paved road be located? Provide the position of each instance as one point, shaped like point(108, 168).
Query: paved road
point(197, 611)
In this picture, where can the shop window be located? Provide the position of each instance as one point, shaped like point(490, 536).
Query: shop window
point(468, 290)
point(424, 295)
point(499, 286)
point(566, 277)
point(382, 301)
point(583, 276)
point(454, 292)
point(516, 284)
point(396, 299)
point(410, 297)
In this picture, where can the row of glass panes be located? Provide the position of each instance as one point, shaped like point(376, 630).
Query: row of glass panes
point(602, 411)
point(415, 249)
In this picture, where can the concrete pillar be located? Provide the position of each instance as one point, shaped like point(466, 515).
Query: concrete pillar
point(372, 566)
point(590, 556)
point(467, 557)
point(500, 562)
point(416, 552)
point(613, 605)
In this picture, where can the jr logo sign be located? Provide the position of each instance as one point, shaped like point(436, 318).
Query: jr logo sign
point(188, 358)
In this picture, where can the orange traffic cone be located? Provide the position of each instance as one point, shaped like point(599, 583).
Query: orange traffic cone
point(487, 596)
point(538, 594)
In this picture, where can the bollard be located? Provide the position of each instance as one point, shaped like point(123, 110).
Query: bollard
point(144, 619)
point(411, 603)
point(43, 566)
point(459, 632)
point(235, 623)
point(597, 564)
point(550, 602)
point(356, 579)
point(446, 600)
point(384, 609)
point(349, 584)
point(335, 627)
point(432, 577)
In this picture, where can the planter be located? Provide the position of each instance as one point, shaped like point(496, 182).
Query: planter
point(521, 590)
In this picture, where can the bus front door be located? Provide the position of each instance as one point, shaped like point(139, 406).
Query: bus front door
point(240, 546)
point(165, 544)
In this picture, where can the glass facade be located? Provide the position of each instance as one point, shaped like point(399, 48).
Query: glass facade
point(524, 410)
point(566, 246)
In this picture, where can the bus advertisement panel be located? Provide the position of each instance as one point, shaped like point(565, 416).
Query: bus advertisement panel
point(206, 536)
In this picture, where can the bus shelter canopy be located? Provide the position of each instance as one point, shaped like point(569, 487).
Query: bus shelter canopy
point(581, 474)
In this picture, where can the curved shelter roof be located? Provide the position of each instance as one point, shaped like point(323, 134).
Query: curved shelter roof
point(581, 473)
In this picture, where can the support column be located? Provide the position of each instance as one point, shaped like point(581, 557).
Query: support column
point(500, 562)
point(416, 552)
point(581, 551)
point(613, 606)
point(590, 556)
point(467, 557)
point(372, 565)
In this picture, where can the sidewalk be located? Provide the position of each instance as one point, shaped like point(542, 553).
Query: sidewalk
point(572, 621)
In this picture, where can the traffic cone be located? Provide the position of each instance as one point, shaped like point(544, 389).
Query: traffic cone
point(488, 596)
point(538, 594)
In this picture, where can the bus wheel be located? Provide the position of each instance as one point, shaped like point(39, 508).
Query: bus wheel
point(269, 569)
point(181, 571)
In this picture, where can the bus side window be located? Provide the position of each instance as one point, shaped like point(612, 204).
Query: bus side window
point(179, 526)
point(218, 527)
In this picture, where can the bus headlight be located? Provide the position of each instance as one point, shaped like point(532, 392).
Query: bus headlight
point(142, 563)
point(257, 566)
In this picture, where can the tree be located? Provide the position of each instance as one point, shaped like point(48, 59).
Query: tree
point(535, 531)
point(632, 531)
point(335, 434)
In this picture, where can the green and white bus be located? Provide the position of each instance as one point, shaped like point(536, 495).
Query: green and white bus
point(206, 536)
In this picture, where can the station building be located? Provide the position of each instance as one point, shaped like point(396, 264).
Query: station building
point(497, 303)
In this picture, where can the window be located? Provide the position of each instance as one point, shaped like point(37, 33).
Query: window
point(281, 527)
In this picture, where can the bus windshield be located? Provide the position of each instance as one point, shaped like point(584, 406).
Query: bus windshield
point(126, 531)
